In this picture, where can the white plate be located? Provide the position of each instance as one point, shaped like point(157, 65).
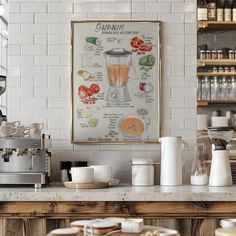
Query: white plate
point(65, 231)
point(104, 224)
point(80, 223)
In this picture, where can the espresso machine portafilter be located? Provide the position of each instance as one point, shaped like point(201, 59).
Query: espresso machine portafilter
point(25, 161)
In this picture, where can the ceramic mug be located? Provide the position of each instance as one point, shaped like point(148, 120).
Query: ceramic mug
point(102, 173)
point(82, 175)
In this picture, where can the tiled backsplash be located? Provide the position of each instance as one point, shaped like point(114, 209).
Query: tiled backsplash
point(39, 72)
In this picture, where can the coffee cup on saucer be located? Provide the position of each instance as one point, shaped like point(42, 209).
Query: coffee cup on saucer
point(7, 129)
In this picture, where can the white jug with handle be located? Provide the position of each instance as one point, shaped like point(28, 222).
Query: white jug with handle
point(171, 160)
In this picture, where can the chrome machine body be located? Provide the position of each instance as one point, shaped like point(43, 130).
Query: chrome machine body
point(25, 161)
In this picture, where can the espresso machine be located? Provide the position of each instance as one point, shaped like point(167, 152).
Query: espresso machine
point(25, 161)
point(118, 61)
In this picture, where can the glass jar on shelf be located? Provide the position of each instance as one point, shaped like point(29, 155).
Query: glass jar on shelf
point(199, 89)
point(199, 170)
point(233, 88)
point(206, 88)
point(214, 88)
point(224, 89)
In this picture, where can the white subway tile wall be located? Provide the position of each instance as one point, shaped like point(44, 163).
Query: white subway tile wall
point(39, 73)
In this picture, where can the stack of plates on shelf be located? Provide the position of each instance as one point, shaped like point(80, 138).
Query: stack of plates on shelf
point(98, 226)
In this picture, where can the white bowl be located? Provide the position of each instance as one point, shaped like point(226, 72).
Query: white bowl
point(102, 173)
point(228, 223)
point(82, 175)
point(219, 121)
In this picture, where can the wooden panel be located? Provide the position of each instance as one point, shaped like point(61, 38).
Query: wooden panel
point(13, 227)
point(202, 227)
point(34, 227)
point(125, 209)
point(2, 226)
point(187, 227)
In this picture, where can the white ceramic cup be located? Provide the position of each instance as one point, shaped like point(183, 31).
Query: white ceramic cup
point(82, 175)
point(219, 121)
point(228, 223)
point(102, 173)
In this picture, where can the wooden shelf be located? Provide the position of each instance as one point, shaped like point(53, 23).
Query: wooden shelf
point(215, 74)
point(217, 25)
point(216, 62)
point(205, 103)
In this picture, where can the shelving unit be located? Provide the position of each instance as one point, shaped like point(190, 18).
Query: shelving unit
point(201, 74)
point(216, 25)
point(216, 62)
point(205, 103)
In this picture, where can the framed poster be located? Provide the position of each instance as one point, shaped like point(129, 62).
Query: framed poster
point(116, 82)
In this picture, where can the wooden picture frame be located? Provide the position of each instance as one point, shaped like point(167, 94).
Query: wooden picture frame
point(116, 79)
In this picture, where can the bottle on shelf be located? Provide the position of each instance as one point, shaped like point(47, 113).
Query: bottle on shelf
point(202, 10)
point(220, 11)
point(234, 10)
point(211, 12)
point(227, 11)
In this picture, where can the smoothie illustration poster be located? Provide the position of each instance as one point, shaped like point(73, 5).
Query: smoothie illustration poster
point(115, 82)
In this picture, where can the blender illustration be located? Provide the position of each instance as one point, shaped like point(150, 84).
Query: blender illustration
point(220, 174)
point(118, 62)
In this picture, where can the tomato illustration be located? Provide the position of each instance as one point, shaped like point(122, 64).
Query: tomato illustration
point(82, 87)
point(90, 92)
point(136, 42)
point(82, 94)
point(95, 88)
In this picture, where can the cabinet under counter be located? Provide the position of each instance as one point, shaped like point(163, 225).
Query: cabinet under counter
point(192, 210)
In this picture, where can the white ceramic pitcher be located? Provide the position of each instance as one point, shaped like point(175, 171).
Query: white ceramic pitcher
point(171, 160)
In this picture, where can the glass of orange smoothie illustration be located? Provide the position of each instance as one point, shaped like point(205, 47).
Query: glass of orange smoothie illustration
point(118, 61)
